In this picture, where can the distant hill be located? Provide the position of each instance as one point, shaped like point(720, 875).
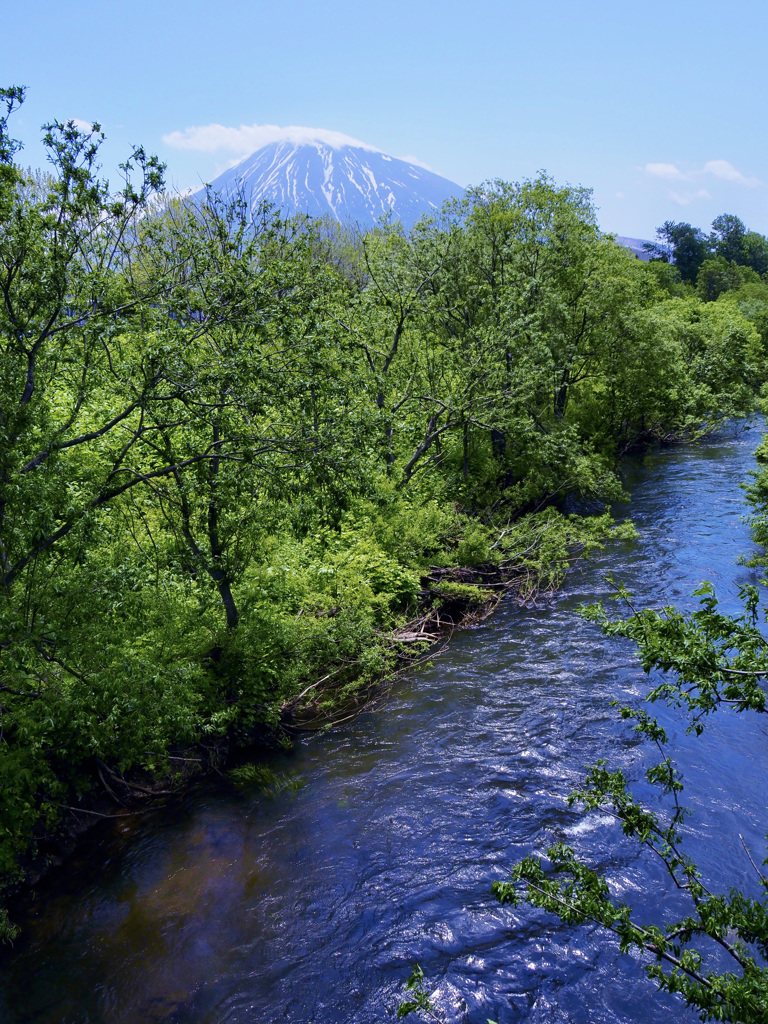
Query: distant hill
point(350, 183)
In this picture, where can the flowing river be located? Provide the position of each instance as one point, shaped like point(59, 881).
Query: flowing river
point(313, 903)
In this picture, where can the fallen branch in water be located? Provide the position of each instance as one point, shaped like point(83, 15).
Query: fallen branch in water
point(98, 814)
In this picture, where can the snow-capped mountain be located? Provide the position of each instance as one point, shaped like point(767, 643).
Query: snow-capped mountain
point(635, 246)
point(351, 183)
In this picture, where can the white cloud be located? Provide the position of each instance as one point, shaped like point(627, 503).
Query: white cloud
point(667, 171)
point(83, 126)
point(686, 198)
point(217, 138)
point(721, 169)
point(212, 138)
point(727, 172)
point(411, 159)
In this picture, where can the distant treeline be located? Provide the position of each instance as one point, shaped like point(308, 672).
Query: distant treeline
point(727, 258)
point(235, 450)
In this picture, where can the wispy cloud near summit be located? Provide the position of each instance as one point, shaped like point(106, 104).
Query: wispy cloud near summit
point(213, 138)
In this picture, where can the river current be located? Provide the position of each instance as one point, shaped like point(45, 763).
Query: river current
point(232, 905)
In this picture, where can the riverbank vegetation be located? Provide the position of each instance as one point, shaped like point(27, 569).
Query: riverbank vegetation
point(248, 466)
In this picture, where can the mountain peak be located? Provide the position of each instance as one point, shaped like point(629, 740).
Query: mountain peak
point(351, 183)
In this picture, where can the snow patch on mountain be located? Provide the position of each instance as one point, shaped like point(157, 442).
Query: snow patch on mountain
point(349, 183)
point(636, 246)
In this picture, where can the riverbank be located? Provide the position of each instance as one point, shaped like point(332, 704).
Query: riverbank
point(523, 559)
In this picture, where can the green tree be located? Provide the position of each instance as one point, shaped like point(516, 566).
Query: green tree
point(727, 237)
point(731, 240)
point(74, 394)
point(716, 276)
point(72, 389)
point(543, 295)
point(755, 252)
point(685, 246)
point(387, 318)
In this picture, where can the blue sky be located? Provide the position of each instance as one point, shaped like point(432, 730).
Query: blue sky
point(659, 107)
